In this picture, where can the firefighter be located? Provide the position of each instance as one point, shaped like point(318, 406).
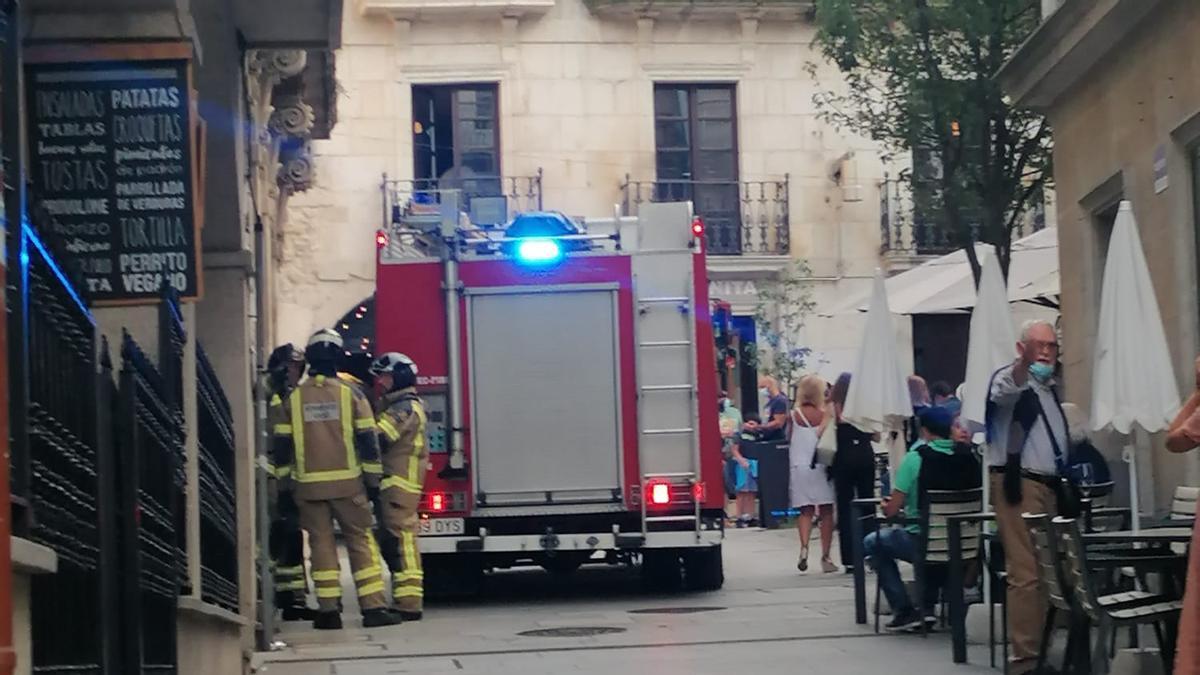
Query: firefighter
point(285, 367)
point(327, 434)
point(401, 425)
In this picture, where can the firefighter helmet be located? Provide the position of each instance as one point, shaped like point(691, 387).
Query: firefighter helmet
point(325, 346)
point(402, 369)
point(283, 355)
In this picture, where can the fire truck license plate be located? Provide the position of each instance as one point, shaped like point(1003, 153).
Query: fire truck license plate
point(441, 526)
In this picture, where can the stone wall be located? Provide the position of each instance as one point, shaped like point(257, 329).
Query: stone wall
point(576, 100)
point(1106, 131)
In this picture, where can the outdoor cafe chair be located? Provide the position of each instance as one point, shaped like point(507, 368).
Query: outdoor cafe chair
point(992, 556)
point(1061, 598)
point(1108, 613)
point(932, 546)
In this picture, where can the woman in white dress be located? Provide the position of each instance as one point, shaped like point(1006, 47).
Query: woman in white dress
point(810, 487)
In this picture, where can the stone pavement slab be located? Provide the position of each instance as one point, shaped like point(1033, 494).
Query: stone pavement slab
point(768, 619)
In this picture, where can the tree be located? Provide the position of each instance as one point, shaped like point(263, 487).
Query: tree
point(783, 307)
point(920, 78)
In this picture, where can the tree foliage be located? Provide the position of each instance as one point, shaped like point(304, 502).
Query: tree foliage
point(784, 305)
point(920, 77)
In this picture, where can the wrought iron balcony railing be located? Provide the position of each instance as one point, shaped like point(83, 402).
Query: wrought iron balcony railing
point(519, 194)
point(704, 8)
point(906, 229)
point(740, 217)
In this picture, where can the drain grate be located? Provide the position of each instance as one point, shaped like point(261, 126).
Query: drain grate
point(676, 610)
point(572, 631)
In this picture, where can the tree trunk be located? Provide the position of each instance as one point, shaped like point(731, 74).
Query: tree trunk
point(973, 258)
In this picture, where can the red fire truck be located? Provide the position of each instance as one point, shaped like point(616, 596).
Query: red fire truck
point(568, 373)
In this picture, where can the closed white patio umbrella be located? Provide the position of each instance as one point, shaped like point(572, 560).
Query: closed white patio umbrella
point(992, 342)
point(1133, 383)
point(878, 395)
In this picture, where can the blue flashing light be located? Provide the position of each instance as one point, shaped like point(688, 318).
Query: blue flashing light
point(539, 251)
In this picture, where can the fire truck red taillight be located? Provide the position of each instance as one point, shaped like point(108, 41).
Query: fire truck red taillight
point(437, 502)
point(381, 239)
point(660, 493)
point(699, 492)
point(697, 227)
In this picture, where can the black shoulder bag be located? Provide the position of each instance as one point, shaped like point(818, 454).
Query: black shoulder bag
point(1066, 492)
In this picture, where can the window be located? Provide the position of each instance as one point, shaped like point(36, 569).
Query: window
point(695, 142)
point(456, 137)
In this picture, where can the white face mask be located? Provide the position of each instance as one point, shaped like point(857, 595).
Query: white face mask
point(764, 392)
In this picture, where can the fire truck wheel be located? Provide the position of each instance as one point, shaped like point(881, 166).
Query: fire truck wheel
point(661, 571)
point(704, 569)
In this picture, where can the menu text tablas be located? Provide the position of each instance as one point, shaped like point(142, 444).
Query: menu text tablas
point(112, 164)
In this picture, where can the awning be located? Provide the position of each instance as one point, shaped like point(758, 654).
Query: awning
point(945, 285)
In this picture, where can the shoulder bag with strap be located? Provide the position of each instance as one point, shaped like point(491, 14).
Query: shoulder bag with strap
point(1067, 492)
point(826, 450)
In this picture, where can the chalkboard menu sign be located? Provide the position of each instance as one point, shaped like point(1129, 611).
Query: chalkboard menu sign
point(111, 148)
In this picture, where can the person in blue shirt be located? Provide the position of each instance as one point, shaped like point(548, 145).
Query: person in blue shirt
point(937, 464)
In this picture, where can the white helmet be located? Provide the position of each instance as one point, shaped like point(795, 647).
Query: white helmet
point(326, 336)
point(388, 362)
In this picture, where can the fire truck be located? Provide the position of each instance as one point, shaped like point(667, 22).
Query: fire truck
point(567, 369)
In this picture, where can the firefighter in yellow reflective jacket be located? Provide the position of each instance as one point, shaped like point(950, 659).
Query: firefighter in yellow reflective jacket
point(401, 424)
point(325, 442)
point(285, 367)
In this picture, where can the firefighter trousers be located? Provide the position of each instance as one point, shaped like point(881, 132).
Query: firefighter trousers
point(353, 516)
point(402, 553)
point(287, 555)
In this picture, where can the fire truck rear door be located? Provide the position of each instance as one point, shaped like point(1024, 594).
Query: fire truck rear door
point(544, 390)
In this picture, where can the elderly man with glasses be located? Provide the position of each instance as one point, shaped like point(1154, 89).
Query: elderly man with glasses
point(1027, 446)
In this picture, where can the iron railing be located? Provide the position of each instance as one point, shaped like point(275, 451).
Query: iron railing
point(740, 217)
point(171, 339)
point(151, 433)
point(521, 194)
point(907, 228)
point(64, 459)
point(104, 478)
point(218, 503)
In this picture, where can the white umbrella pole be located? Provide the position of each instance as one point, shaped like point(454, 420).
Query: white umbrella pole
point(1130, 458)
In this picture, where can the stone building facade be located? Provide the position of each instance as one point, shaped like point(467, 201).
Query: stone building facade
point(263, 87)
point(1116, 80)
point(583, 99)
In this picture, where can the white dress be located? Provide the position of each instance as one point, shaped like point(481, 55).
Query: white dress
point(808, 486)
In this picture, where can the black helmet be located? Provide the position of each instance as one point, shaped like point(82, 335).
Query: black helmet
point(400, 366)
point(283, 355)
point(325, 349)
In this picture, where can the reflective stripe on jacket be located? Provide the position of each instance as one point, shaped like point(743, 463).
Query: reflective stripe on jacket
point(402, 440)
point(326, 436)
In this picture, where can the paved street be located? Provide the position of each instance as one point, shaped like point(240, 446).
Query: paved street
point(768, 619)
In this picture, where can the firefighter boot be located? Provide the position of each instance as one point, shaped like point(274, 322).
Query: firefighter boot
point(328, 621)
point(378, 617)
point(298, 613)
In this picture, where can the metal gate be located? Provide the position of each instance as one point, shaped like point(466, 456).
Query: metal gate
point(97, 476)
point(151, 480)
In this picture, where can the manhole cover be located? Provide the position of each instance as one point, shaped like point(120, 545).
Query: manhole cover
point(572, 631)
point(675, 610)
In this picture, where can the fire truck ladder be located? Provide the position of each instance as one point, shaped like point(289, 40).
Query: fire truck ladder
point(665, 330)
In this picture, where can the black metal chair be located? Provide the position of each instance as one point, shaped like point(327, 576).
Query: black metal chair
point(992, 555)
point(1108, 613)
point(1061, 597)
point(933, 545)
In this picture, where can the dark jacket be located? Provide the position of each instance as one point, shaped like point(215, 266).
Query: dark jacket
point(854, 451)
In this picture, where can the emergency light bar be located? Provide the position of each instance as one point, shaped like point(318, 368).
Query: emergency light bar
point(539, 251)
